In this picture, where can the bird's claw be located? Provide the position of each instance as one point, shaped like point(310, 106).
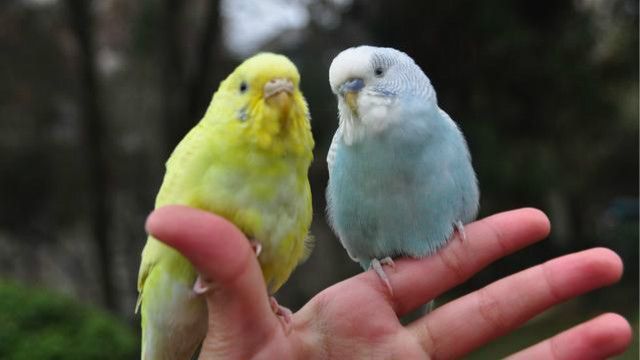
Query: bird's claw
point(388, 261)
point(201, 286)
point(256, 246)
point(376, 265)
point(283, 314)
point(460, 229)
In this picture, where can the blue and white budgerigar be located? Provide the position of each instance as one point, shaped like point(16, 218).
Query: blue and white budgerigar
point(400, 173)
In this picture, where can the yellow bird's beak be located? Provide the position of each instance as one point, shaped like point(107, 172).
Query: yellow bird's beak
point(278, 92)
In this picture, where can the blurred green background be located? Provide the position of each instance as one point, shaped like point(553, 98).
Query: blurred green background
point(95, 95)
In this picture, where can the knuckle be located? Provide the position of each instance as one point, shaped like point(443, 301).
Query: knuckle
point(497, 234)
point(454, 259)
point(427, 340)
point(491, 311)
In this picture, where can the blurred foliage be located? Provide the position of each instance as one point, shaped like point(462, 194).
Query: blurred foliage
point(38, 324)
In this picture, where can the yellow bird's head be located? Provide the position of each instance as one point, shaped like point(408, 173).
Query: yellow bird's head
point(262, 102)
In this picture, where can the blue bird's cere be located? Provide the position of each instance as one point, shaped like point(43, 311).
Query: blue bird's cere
point(400, 173)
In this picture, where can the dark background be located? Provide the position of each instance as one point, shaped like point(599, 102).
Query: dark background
point(95, 94)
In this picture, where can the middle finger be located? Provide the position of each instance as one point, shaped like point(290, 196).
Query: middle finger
point(503, 305)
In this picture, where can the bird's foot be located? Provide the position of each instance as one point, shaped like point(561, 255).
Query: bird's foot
point(201, 286)
point(256, 246)
point(283, 314)
point(460, 229)
point(376, 265)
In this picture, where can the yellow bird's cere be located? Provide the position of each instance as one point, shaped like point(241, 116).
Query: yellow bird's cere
point(246, 160)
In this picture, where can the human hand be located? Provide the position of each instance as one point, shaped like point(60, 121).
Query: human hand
point(358, 318)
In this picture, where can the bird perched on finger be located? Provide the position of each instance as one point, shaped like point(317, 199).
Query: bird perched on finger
point(400, 174)
point(246, 160)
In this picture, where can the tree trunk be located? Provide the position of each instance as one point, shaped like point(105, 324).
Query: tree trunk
point(93, 128)
point(186, 92)
point(199, 92)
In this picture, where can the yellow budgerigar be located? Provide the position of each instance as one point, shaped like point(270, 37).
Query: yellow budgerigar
point(246, 160)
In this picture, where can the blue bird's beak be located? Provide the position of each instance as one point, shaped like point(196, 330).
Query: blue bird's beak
point(349, 90)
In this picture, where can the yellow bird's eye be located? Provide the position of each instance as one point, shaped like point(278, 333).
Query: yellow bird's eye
point(244, 87)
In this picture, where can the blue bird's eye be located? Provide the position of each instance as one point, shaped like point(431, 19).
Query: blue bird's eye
point(243, 87)
point(378, 71)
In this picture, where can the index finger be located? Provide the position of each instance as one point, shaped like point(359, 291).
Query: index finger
point(416, 281)
point(222, 255)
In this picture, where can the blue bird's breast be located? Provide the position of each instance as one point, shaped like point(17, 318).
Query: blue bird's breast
point(399, 193)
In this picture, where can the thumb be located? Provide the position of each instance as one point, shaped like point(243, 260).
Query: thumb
point(237, 300)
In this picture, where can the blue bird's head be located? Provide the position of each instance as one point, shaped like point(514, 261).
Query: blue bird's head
point(371, 82)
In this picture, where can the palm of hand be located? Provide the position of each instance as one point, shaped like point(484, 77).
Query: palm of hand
point(353, 319)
